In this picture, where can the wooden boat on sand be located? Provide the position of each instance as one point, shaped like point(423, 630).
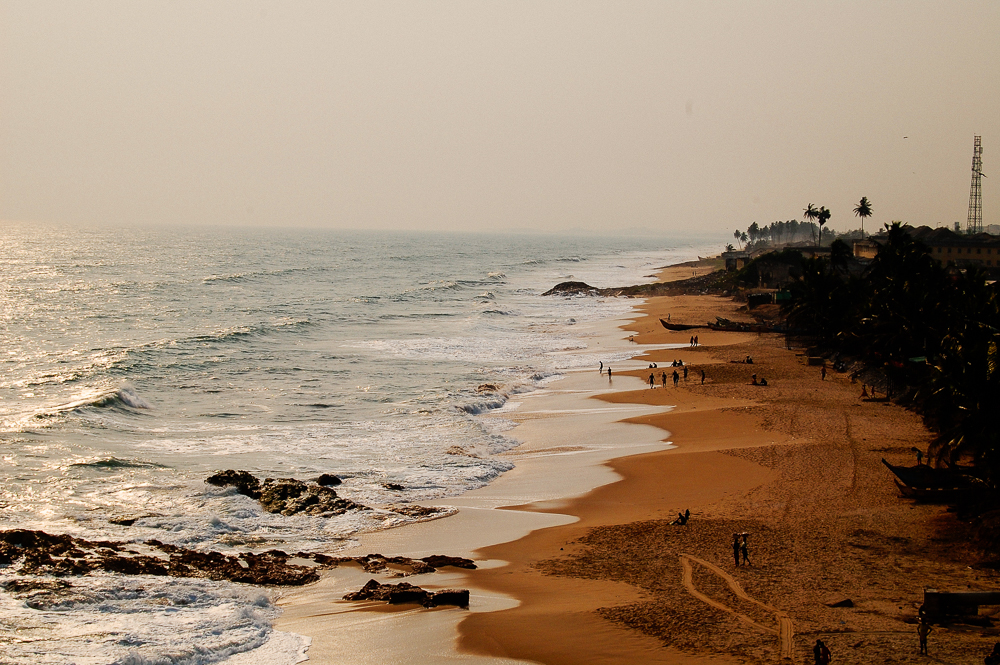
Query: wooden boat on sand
point(931, 484)
point(679, 326)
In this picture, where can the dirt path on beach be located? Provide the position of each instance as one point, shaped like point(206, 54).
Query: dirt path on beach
point(797, 465)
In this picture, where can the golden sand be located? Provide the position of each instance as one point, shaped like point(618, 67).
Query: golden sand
point(796, 465)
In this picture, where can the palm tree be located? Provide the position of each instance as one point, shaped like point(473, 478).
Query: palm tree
point(736, 234)
point(863, 210)
point(823, 216)
point(810, 213)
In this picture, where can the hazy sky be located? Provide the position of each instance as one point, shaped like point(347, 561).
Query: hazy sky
point(543, 115)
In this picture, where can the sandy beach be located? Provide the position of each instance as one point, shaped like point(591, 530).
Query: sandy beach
point(587, 567)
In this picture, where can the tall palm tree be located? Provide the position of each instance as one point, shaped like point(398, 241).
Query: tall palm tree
point(810, 213)
point(736, 234)
point(823, 216)
point(863, 210)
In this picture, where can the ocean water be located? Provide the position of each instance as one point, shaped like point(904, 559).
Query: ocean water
point(134, 363)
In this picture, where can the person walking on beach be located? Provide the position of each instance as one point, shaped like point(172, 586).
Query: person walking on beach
point(736, 549)
point(702, 377)
point(822, 373)
point(652, 381)
point(821, 654)
point(696, 340)
point(691, 343)
point(923, 630)
point(677, 377)
point(743, 550)
point(663, 377)
point(685, 372)
point(609, 372)
point(601, 368)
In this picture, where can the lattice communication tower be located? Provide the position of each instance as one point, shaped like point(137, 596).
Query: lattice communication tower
point(975, 223)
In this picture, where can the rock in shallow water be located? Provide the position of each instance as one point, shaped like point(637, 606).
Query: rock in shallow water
point(405, 593)
point(244, 482)
point(288, 496)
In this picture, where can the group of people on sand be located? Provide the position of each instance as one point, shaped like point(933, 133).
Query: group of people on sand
point(754, 381)
point(676, 376)
point(694, 341)
point(663, 376)
point(682, 518)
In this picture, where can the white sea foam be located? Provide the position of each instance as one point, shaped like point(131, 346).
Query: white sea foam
point(100, 619)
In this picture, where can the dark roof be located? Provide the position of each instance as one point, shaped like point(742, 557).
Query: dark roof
point(945, 236)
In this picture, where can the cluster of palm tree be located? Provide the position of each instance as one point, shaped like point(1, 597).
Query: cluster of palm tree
point(819, 215)
point(775, 233)
point(778, 232)
point(928, 328)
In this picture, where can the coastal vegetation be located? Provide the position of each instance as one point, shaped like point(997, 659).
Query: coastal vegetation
point(932, 332)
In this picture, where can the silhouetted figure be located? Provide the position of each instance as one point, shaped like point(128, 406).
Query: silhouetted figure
point(743, 550)
point(685, 373)
point(652, 381)
point(920, 455)
point(763, 381)
point(691, 343)
point(663, 377)
point(609, 373)
point(821, 654)
point(702, 377)
point(736, 548)
point(696, 340)
point(676, 378)
point(682, 518)
point(822, 373)
point(600, 369)
point(923, 630)
point(864, 391)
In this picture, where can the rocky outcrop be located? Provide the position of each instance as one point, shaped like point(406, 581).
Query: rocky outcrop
point(571, 288)
point(244, 482)
point(38, 553)
point(405, 593)
point(377, 563)
point(328, 480)
point(440, 561)
point(293, 497)
point(288, 496)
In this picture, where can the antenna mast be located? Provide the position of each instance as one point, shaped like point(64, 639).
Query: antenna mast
point(975, 223)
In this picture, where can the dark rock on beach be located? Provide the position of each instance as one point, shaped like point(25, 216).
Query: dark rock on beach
point(440, 561)
point(405, 593)
point(38, 553)
point(395, 487)
point(244, 482)
point(288, 496)
point(328, 480)
point(293, 497)
point(570, 288)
